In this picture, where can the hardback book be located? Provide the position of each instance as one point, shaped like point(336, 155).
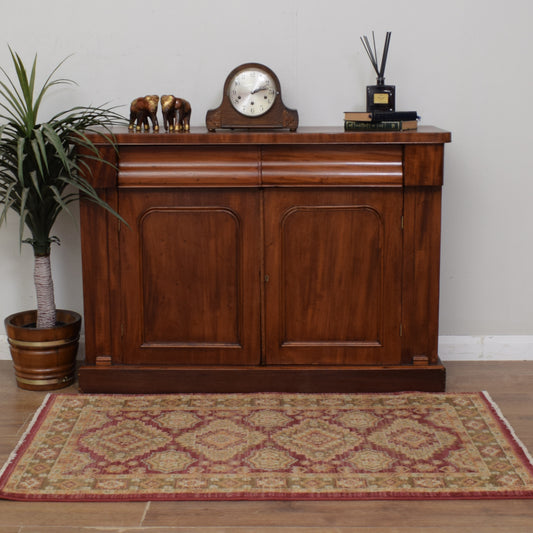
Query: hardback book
point(379, 116)
point(384, 125)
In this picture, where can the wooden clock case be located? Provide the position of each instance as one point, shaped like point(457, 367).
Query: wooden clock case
point(225, 116)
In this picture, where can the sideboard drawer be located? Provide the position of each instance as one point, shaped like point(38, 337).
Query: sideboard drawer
point(188, 166)
point(332, 165)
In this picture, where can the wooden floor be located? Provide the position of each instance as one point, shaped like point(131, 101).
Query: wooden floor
point(510, 385)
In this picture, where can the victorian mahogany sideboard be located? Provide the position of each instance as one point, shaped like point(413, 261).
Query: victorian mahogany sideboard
point(300, 261)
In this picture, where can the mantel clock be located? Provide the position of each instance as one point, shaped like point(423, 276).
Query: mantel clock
point(252, 100)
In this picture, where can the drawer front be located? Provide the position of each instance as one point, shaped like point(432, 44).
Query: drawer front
point(314, 165)
point(189, 166)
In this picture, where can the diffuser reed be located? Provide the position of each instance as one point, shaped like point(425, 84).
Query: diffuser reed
point(379, 97)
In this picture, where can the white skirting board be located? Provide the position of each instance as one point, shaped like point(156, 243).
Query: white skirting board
point(451, 348)
point(486, 348)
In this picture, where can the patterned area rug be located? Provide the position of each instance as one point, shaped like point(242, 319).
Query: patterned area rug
point(267, 447)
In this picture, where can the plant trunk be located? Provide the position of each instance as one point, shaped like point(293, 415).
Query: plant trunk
point(44, 288)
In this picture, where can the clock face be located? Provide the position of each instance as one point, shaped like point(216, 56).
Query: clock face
point(252, 92)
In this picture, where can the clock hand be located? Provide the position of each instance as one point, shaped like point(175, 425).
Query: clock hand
point(262, 88)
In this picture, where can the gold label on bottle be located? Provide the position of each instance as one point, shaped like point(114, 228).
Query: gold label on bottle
point(381, 98)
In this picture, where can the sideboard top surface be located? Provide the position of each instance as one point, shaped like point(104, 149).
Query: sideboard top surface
point(304, 135)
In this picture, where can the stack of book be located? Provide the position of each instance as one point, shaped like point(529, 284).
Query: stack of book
point(380, 120)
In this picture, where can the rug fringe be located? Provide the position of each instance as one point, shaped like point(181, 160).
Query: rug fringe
point(21, 441)
point(508, 426)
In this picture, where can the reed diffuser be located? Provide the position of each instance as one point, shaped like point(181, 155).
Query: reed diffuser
point(379, 97)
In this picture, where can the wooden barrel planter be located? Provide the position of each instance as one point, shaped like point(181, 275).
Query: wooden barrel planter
point(43, 358)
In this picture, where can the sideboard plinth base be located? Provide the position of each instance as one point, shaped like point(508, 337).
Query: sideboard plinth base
point(225, 379)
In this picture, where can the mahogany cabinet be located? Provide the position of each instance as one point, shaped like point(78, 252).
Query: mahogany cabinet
point(265, 261)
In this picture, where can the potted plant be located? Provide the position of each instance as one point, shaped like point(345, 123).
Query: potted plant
point(42, 171)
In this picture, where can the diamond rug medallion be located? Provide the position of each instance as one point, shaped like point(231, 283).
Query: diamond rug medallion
point(267, 447)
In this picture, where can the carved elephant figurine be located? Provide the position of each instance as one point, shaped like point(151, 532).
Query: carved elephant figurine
point(176, 113)
point(143, 108)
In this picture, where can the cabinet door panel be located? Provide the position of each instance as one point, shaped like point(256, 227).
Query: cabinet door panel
point(333, 264)
point(190, 278)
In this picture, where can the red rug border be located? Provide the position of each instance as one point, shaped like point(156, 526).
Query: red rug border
point(48, 402)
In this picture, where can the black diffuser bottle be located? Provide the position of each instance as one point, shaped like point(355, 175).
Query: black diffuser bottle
point(379, 97)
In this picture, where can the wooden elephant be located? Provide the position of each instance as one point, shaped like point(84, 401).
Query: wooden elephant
point(143, 108)
point(176, 113)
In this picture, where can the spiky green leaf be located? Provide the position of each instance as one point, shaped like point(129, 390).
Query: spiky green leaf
point(43, 167)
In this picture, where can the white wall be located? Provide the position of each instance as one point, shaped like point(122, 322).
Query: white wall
point(464, 65)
